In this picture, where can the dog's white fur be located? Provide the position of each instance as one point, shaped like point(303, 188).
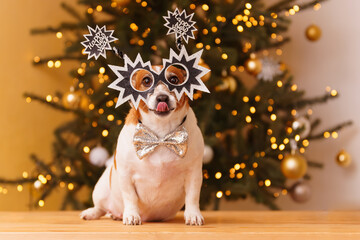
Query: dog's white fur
point(156, 187)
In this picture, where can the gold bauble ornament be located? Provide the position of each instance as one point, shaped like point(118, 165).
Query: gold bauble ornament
point(313, 32)
point(228, 83)
point(343, 158)
point(71, 100)
point(208, 75)
point(293, 166)
point(84, 102)
point(253, 65)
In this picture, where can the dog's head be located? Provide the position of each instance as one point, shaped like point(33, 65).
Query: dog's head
point(161, 102)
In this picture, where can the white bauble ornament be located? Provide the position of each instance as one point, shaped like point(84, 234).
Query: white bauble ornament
point(208, 154)
point(304, 124)
point(110, 161)
point(98, 156)
point(300, 192)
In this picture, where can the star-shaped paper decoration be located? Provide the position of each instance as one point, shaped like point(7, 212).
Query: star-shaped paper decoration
point(98, 41)
point(195, 72)
point(191, 63)
point(181, 24)
point(123, 82)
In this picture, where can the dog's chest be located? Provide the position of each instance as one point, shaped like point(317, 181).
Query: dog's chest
point(159, 175)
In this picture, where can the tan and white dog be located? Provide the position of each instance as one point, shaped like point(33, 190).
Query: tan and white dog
point(157, 186)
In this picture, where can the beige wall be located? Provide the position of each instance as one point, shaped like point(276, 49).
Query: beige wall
point(333, 61)
point(27, 128)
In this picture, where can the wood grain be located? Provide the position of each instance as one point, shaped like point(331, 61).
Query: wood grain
point(219, 225)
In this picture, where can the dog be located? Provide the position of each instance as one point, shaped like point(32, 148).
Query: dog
point(157, 186)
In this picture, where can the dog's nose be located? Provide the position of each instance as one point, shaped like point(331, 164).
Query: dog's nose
point(162, 98)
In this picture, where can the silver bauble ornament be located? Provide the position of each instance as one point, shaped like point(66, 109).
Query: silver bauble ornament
point(208, 154)
point(304, 124)
point(300, 192)
point(98, 156)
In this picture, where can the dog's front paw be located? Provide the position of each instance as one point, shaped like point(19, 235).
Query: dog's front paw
point(91, 213)
point(131, 219)
point(193, 218)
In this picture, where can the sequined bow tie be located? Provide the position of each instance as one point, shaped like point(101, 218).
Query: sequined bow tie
point(145, 141)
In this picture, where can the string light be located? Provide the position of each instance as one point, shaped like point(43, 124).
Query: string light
point(99, 8)
point(86, 149)
point(281, 147)
point(41, 203)
point(334, 135)
point(333, 93)
point(218, 175)
point(205, 7)
point(110, 117)
point(90, 10)
point(248, 5)
point(25, 174)
point(219, 194)
point(105, 133)
point(28, 99)
point(67, 169)
point(227, 192)
point(217, 106)
point(214, 29)
point(267, 183)
point(297, 137)
point(246, 99)
point(134, 27)
point(296, 8)
point(273, 117)
point(36, 59)
point(234, 112)
point(279, 83)
point(240, 28)
point(248, 119)
point(192, 6)
point(237, 166)
point(42, 179)
point(19, 188)
point(224, 56)
point(50, 64)
point(70, 186)
point(251, 172)
point(305, 142)
point(317, 6)
point(239, 175)
point(199, 45)
point(143, 4)
point(57, 64)
point(59, 35)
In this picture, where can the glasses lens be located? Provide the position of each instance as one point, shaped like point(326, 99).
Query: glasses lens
point(141, 80)
point(176, 74)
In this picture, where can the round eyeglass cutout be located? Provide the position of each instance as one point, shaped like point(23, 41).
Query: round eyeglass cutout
point(141, 80)
point(176, 74)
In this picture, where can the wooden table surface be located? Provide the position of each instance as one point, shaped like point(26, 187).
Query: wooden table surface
point(220, 225)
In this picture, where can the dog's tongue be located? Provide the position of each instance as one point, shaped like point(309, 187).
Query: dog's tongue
point(162, 107)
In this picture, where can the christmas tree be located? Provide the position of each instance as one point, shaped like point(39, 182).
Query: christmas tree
point(255, 137)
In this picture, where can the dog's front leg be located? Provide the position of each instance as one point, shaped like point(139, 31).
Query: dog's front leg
point(193, 183)
point(130, 199)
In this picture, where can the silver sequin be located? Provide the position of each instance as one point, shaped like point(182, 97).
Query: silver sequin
point(145, 141)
